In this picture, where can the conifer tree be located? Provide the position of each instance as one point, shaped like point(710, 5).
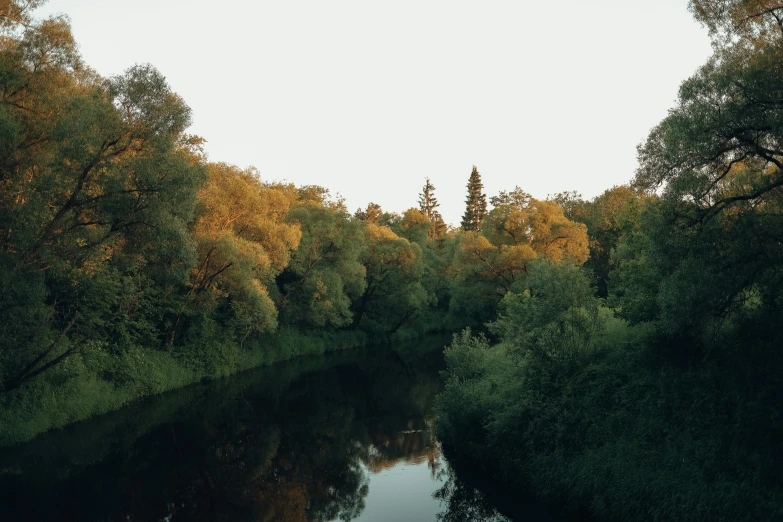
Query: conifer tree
point(427, 200)
point(438, 227)
point(476, 203)
point(428, 204)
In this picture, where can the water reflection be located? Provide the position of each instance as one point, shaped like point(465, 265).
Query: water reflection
point(465, 502)
point(318, 440)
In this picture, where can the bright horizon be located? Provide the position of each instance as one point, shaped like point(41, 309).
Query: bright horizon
point(368, 100)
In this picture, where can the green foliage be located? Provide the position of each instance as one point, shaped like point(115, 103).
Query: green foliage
point(325, 274)
point(708, 253)
point(517, 197)
point(605, 217)
point(694, 280)
point(96, 191)
point(619, 431)
point(372, 214)
point(554, 318)
point(517, 231)
point(726, 125)
point(740, 22)
point(476, 203)
point(415, 227)
point(129, 266)
point(469, 394)
point(428, 204)
point(669, 415)
point(243, 242)
point(394, 295)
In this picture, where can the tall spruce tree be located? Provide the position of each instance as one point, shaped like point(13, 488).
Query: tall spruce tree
point(427, 200)
point(476, 203)
point(428, 204)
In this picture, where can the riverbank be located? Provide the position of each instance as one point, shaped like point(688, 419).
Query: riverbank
point(101, 380)
point(625, 430)
point(339, 436)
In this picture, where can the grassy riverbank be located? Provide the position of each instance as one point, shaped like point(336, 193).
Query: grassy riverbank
point(295, 434)
point(101, 381)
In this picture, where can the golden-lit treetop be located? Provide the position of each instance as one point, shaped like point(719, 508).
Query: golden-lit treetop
point(243, 241)
point(755, 21)
point(542, 226)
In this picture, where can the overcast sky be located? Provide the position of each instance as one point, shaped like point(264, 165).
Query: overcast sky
point(368, 98)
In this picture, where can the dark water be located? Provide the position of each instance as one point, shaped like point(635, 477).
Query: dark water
point(343, 437)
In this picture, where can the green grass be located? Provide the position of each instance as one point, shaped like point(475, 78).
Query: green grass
point(101, 380)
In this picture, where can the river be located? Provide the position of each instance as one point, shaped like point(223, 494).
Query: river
point(346, 437)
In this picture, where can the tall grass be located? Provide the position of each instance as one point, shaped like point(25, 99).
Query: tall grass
point(102, 379)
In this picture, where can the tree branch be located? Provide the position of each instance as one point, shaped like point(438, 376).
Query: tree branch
point(31, 371)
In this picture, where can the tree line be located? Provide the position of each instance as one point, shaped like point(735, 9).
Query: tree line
point(645, 384)
point(627, 355)
point(129, 261)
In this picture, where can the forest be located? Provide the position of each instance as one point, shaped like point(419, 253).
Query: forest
point(645, 384)
point(621, 352)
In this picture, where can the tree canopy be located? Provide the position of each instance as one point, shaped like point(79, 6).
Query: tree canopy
point(637, 357)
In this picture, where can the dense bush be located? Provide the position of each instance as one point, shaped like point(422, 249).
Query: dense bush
point(612, 421)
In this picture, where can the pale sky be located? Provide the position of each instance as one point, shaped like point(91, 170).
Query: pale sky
point(368, 98)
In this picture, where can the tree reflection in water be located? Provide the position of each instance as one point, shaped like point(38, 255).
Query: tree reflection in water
point(464, 503)
point(292, 442)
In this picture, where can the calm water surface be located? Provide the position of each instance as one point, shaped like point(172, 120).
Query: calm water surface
point(342, 437)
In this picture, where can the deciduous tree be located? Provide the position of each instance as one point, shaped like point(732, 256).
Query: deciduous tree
point(325, 274)
point(394, 295)
point(491, 262)
point(243, 242)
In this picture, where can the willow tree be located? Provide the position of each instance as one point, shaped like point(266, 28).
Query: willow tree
point(97, 184)
point(325, 274)
point(394, 295)
point(753, 23)
point(606, 216)
point(243, 242)
point(538, 229)
point(711, 244)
